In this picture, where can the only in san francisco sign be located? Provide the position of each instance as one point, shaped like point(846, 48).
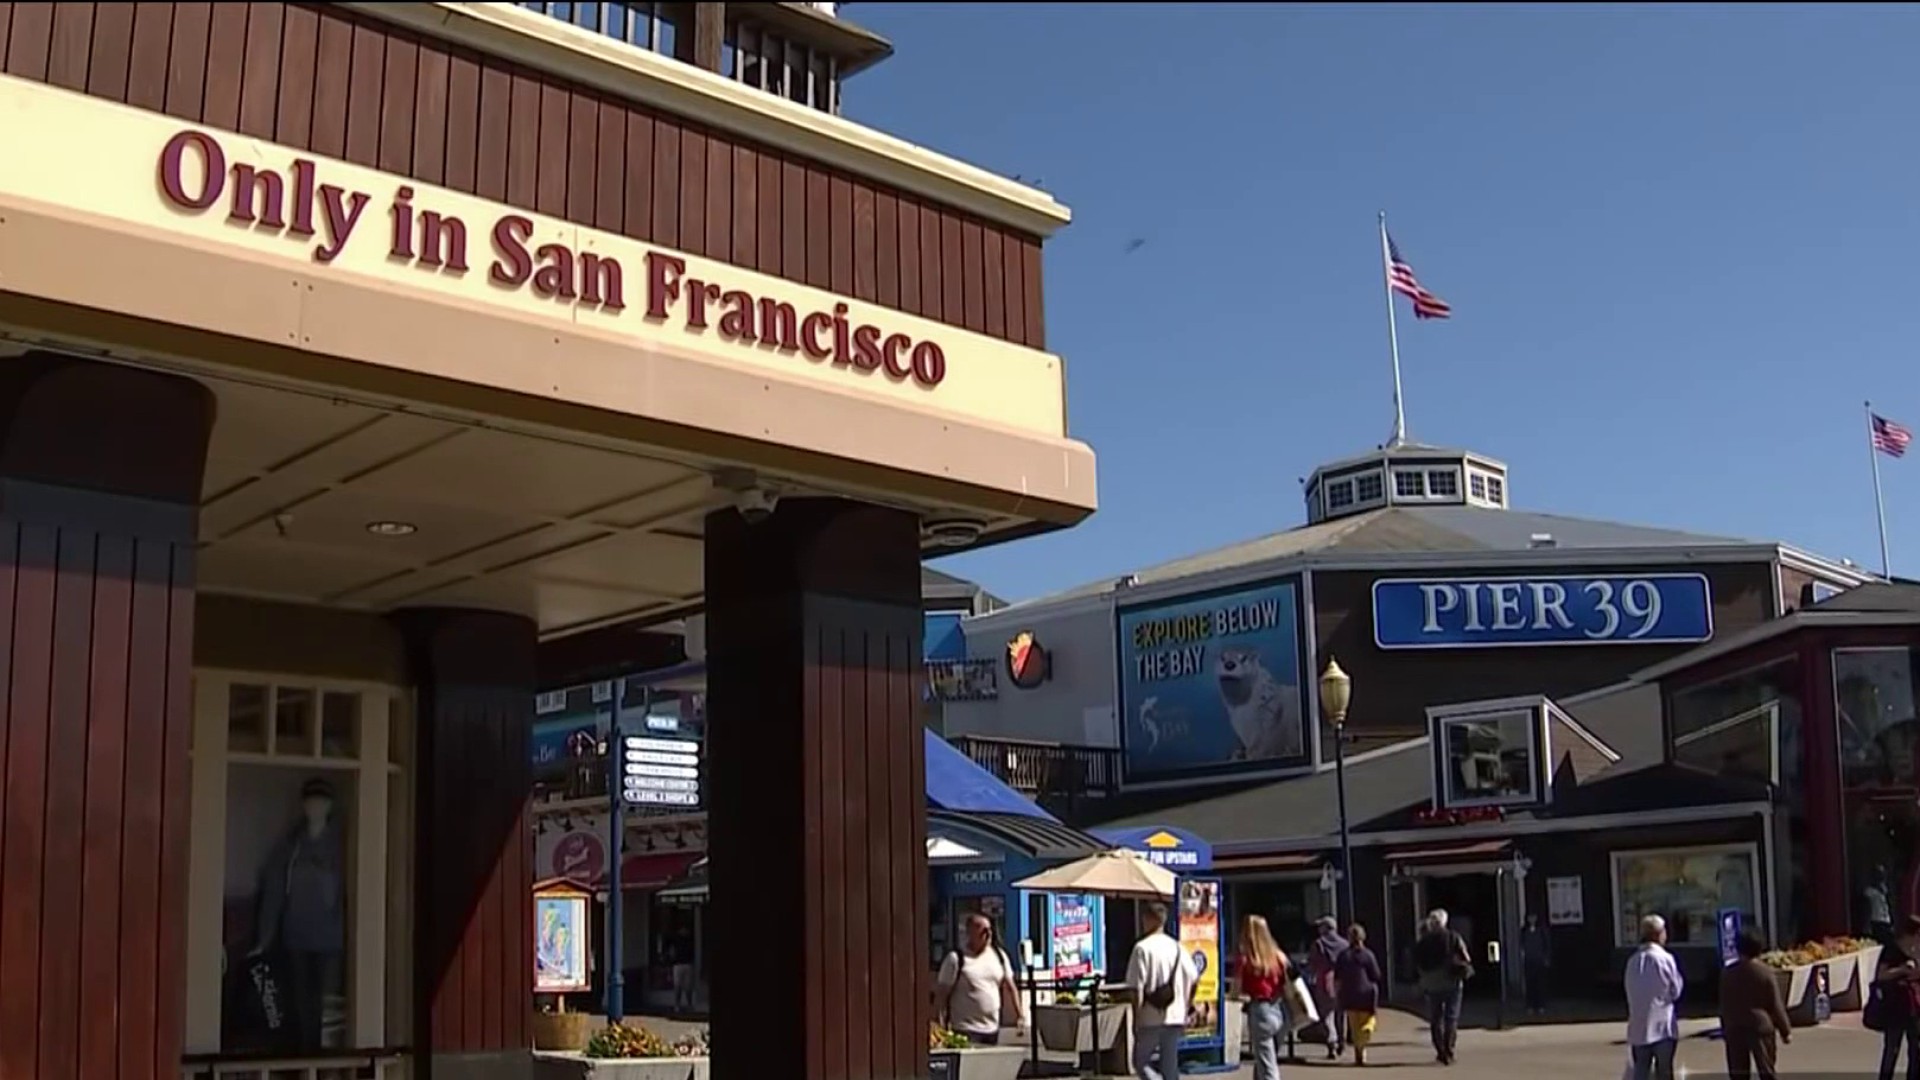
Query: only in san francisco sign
point(1469, 613)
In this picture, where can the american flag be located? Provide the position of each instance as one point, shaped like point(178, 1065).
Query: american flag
point(1400, 278)
point(1890, 438)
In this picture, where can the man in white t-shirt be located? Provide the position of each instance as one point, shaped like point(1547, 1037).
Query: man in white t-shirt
point(975, 983)
point(1162, 977)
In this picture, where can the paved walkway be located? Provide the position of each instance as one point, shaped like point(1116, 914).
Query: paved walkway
point(1839, 1050)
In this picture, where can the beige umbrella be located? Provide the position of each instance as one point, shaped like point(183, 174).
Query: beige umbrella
point(1108, 873)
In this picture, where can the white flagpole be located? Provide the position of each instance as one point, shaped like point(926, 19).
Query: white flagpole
point(1393, 339)
point(1879, 503)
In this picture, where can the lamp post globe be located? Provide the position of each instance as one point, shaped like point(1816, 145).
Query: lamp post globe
point(1336, 692)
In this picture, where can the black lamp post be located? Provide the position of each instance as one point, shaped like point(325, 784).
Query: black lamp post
point(1336, 693)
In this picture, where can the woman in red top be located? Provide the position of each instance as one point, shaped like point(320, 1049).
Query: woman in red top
point(1263, 975)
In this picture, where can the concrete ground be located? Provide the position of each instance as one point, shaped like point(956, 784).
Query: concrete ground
point(1839, 1050)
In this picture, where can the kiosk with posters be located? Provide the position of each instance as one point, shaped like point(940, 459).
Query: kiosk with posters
point(1200, 925)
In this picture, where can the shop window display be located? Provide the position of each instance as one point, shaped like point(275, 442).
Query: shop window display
point(1688, 887)
point(1725, 728)
point(1489, 758)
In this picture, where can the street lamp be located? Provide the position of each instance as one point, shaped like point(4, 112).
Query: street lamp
point(1336, 692)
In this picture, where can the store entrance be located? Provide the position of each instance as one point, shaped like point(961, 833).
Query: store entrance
point(1471, 899)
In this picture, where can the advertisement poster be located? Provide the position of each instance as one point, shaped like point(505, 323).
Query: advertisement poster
point(560, 943)
point(1212, 684)
point(1200, 937)
point(1566, 904)
point(1072, 936)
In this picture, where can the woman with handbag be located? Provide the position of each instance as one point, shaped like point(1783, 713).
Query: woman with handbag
point(1356, 977)
point(1264, 976)
point(1892, 1001)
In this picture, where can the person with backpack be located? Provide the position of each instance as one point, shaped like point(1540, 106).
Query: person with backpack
point(1441, 958)
point(1162, 978)
point(976, 986)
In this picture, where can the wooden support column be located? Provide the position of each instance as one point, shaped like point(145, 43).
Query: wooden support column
point(100, 472)
point(473, 675)
point(817, 800)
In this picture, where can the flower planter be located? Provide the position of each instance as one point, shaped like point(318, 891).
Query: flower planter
point(575, 1067)
point(561, 1031)
point(1071, 1027)
point(1852, 997)
point(989, 1062)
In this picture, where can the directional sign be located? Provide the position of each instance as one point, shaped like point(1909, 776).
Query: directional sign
point(663, 798)
point(660, 771)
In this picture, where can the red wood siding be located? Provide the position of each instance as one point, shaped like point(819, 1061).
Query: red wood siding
point(344, 86)
point(96, 642)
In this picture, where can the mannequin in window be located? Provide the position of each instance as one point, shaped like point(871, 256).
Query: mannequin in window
point(303, 909)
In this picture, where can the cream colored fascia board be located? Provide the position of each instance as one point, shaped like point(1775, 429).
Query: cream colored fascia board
point(641, 75)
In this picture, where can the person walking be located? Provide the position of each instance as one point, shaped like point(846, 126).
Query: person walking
point(1753, 1016)
point(1896, 993)
point(1356, 977)
point(1162, 978)
point(1444, 966)
point(1322, 955)
point(1653, 986)
point(1536, 959)
point(1262, 971)
point(976, 986)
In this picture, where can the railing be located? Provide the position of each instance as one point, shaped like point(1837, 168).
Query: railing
point(1046, 771)
point(752, 53)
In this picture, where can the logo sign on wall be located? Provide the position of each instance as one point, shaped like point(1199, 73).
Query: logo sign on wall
point(1472, 613)
point(1212, 684)
point(1028, 662)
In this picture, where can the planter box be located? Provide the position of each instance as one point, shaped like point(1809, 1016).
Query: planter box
point(1852, 997)
point(990, 1062)
point(1071, 1028)
point(575, 1067)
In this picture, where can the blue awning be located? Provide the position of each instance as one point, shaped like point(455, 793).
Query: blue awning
point(955, 783)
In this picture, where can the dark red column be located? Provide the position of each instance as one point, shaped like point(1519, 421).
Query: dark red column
point(817, 800)
point(100, 471)
point(473, 673)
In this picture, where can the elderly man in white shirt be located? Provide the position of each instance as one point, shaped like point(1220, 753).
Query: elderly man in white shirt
point(1653, 988)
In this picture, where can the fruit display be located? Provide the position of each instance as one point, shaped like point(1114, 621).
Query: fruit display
point(627, 1041)
point(939, 1038)
point(1813, 952)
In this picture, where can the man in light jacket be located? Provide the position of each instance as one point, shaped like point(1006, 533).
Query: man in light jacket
point(1653, 988)
point(1159, 969)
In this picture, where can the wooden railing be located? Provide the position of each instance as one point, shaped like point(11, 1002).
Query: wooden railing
point(1049, 773)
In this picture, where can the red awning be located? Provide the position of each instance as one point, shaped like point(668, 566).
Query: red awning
point(1295, 861)
point(653, 871)
point(1481, 849)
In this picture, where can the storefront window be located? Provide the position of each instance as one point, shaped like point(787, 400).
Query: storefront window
point(299, 896)
point(1290, 907)
point(1873, 699)
point(1686, 886)
point(1873, 692)
point(1489, 758)
point(1749, 725)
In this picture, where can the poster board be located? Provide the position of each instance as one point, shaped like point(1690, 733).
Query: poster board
point(1200, 938)
point(1073, 950)
point(560, 932)
point(1566, 904)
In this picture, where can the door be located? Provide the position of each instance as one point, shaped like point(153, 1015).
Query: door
point(1513, 912)
point(1406, 903)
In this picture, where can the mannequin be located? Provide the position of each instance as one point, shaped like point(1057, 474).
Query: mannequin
point(303, 910)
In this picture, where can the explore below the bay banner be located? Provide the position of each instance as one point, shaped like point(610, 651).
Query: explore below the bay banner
point(1211, 684)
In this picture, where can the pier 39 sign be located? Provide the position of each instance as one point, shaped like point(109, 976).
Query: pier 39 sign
point(1469, 613)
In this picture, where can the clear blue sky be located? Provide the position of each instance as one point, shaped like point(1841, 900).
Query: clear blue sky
point(1678, 243)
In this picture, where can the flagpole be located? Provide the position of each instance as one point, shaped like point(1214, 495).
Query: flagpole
point(1393, 338)
point(1879, 503)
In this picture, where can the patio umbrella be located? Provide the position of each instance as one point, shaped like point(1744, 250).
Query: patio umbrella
point(1108, 873)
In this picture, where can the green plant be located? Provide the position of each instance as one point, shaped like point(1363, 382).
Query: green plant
point(627, 1041)
point(940, 1038)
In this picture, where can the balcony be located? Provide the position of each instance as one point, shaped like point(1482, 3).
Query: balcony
point(1058, 777)
point(798, 51)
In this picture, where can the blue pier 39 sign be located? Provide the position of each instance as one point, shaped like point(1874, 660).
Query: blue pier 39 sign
point(1469, 613)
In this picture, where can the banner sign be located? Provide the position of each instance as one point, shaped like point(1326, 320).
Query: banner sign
point(1211, 684)
point(1072, 932)
point(1176, 849)
point(1473, 613)
point(1200, 939)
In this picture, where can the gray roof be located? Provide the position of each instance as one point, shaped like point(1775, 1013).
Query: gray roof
point(937, 585)
point(1304, 806)
point(1415, 529)
point(1627, 718)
